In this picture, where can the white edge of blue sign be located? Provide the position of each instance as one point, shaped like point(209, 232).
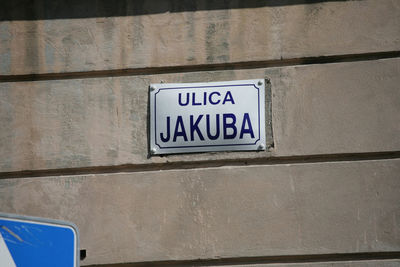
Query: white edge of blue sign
point(49, 222)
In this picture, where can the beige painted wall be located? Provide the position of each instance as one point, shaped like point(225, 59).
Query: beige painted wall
point(74, 144)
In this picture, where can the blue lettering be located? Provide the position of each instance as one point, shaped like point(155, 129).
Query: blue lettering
point(194, 100)
point(181, 132)
point(210, 99)
point(212, 137)
point(245, 130)
point(228, 97)
point(194, 127)
point(166, 139)
point(230, 125)
point(180, 100)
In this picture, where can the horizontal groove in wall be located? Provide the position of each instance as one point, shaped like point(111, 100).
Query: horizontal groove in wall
point(203, 164)
point(203, 67)
point(270, 260)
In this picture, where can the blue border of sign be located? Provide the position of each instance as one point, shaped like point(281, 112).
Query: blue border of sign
point(210, 86)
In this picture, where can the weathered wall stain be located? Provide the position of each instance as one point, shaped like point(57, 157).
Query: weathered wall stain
point(46, 9)
point(74, 130)
point(215, 36)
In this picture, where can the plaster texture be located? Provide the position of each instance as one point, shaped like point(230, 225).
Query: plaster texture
point(270, 32)
point(206, 213)
point(316, 109)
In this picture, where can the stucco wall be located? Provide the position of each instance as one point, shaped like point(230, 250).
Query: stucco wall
point(74, 83)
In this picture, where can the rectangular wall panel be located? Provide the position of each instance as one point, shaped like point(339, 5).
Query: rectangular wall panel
point(316, 109)
point(225, 212)
point(372, 263)
point(75, 125)
point(231, 34)
point(361, 263)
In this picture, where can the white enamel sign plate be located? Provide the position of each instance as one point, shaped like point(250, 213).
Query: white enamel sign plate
point(201, 117)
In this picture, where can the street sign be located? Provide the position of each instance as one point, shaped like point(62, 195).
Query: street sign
point(200, 117)
point(30, 241)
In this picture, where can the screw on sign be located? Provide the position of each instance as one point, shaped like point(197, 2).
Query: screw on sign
point(30, 241)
